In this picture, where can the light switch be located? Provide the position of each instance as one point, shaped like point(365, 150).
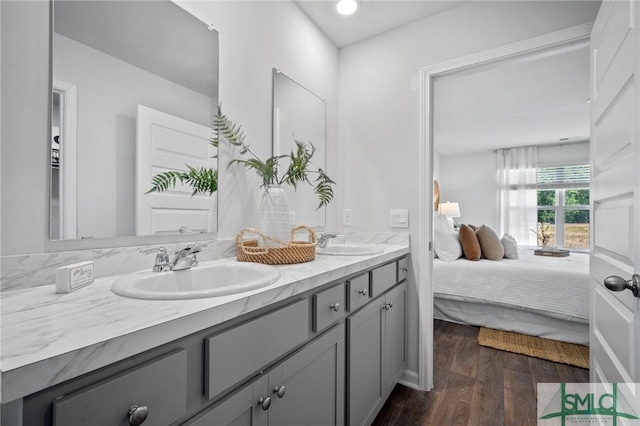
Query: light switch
point(399, 218)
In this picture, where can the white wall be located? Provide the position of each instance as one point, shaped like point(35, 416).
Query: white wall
point(380, 102)
point(254, 38)
point(470, 180)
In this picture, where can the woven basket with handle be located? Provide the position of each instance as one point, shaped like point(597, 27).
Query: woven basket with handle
point(274, 251)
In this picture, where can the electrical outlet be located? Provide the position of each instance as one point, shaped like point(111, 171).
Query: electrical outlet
point(347, 217)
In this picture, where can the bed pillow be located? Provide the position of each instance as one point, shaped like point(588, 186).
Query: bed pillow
point(490, 243)
point(447, 245)
point(441, 223)
point(510, 246)
point(469, 242)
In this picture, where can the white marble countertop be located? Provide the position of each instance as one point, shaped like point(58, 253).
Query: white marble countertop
point(48, 338)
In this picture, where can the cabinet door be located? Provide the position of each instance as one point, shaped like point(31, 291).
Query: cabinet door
point(242, 408)
point(394, 336)
point(364, 363)
point(313, 381)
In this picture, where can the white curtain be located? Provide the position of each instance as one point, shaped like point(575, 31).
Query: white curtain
point(517, 193)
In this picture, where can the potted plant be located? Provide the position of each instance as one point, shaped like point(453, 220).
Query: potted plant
point(271, 171)
point(274, 170)
point(543, 233)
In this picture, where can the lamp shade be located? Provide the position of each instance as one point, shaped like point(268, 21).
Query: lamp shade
point(450, 209)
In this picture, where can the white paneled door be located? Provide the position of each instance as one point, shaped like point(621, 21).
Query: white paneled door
point(615, 192)
point(166, 142)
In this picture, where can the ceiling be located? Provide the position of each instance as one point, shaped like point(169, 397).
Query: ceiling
point(535, 100)
point(540, 99)
point(373, 17)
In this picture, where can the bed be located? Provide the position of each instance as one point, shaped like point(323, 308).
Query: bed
point(536, 295)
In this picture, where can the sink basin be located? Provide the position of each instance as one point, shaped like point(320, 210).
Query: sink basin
point(209, 279)
point(350, 250)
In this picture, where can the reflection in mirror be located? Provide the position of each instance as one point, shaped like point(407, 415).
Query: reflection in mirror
point(135, 87)
point(299, 113)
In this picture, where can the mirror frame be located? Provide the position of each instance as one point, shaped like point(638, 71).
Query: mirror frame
point(103, 242)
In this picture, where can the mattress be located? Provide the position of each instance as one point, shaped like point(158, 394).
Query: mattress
point(557, 287)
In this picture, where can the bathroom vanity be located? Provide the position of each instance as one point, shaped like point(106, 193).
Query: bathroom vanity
point(323, 345)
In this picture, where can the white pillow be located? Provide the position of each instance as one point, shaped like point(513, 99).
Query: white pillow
point(441, 223)
point(510, 246)
point(447, 245)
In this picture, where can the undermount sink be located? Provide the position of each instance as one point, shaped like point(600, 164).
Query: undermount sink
point(349, 250)
point(209, 279)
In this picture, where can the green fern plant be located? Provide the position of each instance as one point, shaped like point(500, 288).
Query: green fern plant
point(202, 180)
point(271, 171)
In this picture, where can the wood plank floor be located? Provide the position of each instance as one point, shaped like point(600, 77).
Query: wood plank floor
point(475, 385)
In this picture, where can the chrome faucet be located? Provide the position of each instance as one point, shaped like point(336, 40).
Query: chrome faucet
point(324, 237)
point(186, 258)
point(161, 263)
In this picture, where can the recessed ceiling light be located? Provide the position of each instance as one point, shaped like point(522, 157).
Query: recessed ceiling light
point(346, 7)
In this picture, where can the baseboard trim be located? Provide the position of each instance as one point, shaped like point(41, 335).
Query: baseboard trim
point(409, 378)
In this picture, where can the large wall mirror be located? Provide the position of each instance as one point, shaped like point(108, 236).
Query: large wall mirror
point(135, 87)
point(299, 114)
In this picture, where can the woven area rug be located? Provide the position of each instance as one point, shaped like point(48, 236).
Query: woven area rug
point(552, 350)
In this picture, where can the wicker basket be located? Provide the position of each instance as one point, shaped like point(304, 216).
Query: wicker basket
point(278, 252)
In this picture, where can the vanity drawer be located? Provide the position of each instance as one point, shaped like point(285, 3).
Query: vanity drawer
point(160, 385)
point(328, 307)
point(403, 269)
point(383, 278)
point(234, 354)
point(358, 292)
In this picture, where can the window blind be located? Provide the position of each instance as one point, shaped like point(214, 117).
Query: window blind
point(563, 177)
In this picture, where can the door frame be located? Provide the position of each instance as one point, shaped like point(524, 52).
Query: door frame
point(68, 158)
point(558, 39)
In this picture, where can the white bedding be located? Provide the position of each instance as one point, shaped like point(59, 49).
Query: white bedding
point(557, 287)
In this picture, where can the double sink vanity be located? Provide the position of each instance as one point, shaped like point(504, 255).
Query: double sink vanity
point(322, 342)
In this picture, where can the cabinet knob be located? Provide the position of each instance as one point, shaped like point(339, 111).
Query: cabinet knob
point(264, 403)
point(390, 305)
point(363, 291)
point(335, 306)
point(137, 415)
point(280, 391)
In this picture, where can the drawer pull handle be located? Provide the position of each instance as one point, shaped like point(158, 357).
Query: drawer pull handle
point(265, 403)
point(280, 391)
point(335, 306)
point(137, 415)
point(363, 291)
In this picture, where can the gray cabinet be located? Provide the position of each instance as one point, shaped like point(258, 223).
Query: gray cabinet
point(376, 354)
point(306, 388)
point(311, 383)
point(301, 361)
point(157, 387)
point(247, 407)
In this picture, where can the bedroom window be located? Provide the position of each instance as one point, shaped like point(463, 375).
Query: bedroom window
point(563, 202)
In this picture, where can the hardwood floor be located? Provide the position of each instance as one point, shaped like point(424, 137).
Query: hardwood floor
point(475, 385)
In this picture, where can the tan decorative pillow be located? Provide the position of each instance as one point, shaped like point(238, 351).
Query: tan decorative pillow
point(469, 242)
point(490, 243)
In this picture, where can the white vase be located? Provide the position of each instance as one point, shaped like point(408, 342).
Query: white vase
point(274, 213)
